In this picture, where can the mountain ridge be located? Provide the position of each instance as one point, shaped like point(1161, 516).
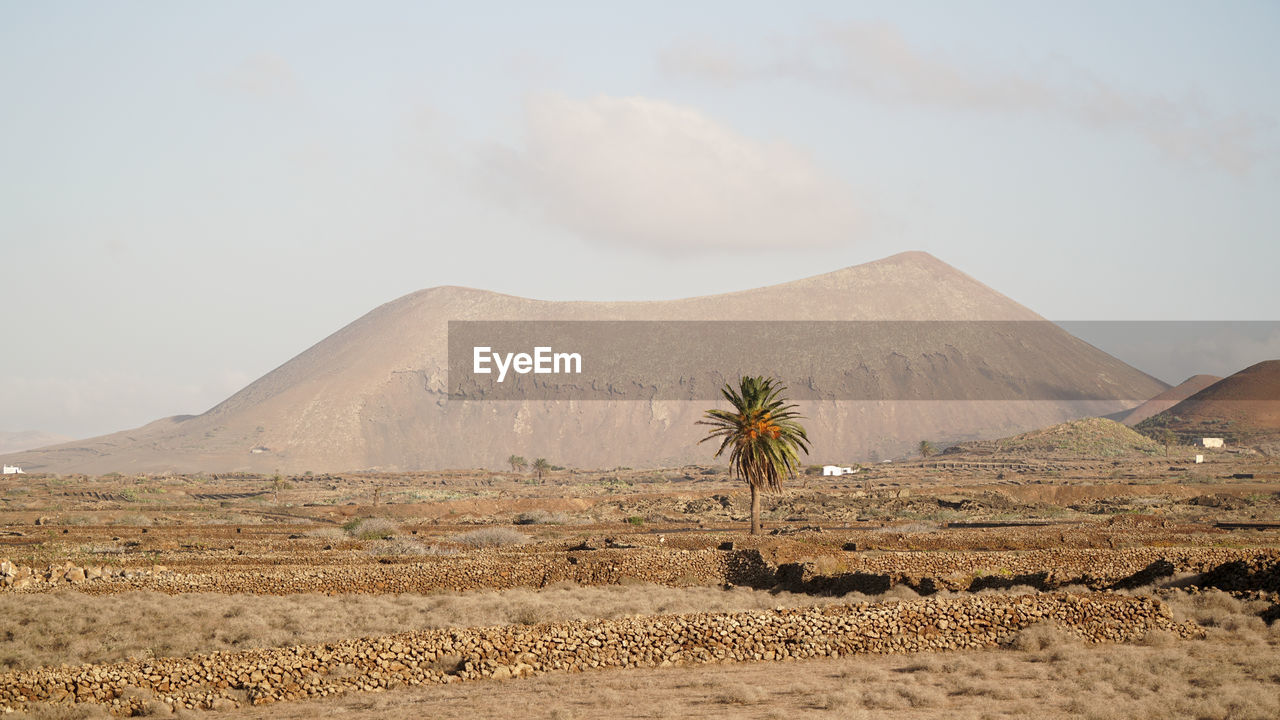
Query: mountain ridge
point(374, 392)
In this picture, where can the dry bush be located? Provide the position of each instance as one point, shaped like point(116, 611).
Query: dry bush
point(490, 537)
point(233, 518)
point(1041, 636)
point(1158, 638)
point(372, 528)
point(83, 711)
point(405, 547)
point(740, 695)
point(542, 517)
point(899, 697)
point(132, 520)
point(326, 533)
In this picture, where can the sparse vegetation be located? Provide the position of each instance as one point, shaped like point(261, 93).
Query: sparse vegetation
point(490, 537)
point(371, 528)
point(517, 463)
point(542, 517)
point(897, 510)
point(70, 627)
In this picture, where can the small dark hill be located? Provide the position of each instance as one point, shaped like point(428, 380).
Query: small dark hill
point(1244, 409)
point(1166, 399)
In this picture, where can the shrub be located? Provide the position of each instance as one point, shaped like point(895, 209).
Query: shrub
point(405, 547)
point(371, 528)
point(490, 537)
point(326, 533)
point(541, 517)
point(1041, 636)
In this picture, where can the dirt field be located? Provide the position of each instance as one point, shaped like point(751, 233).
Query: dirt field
point(117, 574)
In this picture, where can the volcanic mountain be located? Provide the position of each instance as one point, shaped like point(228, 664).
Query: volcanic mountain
point(28, 439)
point(1166, 399)
point(375, 394)
point(1243, 408)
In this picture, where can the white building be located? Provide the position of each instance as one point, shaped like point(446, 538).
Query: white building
point(837, 470)
point(13, 470)
point(1210, 442)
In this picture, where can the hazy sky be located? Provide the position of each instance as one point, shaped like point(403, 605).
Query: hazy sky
point(192, 193)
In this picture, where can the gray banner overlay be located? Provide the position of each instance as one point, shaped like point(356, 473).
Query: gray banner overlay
point(892, 360)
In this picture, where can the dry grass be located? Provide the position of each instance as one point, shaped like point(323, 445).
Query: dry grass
point(543, 517)
point(68, 627)
point(372, 528)
point(403, 546)
point(490, 537)
point(1231, 675)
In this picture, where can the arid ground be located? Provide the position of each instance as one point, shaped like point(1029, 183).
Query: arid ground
point(997, 582)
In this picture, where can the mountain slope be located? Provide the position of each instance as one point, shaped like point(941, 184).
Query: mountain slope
point(1243, 408)
point(1167, 399)
point(28, 440)
point(374, 394)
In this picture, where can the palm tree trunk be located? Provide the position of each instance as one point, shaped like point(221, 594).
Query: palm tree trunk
point(755, 510)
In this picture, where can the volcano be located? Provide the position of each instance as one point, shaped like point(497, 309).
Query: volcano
point(374, 394)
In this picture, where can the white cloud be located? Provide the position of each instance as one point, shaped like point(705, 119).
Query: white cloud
point(877, 61)
point(648, 173)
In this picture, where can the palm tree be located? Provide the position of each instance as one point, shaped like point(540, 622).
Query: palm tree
point(540, 466)
point(926, 448)
point(517, 463)
point(762, 435)
point(278, 483)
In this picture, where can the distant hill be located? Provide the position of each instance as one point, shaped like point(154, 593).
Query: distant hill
point(374, 394)
point(1084, 438)
point(1243, 408)
point(28, 440)
point(1166, 399)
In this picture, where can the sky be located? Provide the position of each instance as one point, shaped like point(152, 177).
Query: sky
point(193, 193)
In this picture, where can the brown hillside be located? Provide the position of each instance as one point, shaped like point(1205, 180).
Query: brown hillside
point(1243, 408)
point(374, 395)
point(1168, 399)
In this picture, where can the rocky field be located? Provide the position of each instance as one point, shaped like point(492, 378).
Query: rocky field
point(201, 594)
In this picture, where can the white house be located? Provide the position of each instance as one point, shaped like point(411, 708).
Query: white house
point(13, 470)
point(1210, 442)
point(837, 470)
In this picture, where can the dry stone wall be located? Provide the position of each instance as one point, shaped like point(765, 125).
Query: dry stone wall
point(20, 577)
point(874, 572)
point(224, 680)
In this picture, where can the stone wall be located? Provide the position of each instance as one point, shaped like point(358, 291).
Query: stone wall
point(441, 656)
point(1236, 569)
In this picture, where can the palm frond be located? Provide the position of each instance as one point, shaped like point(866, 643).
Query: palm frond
point(761, 432)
